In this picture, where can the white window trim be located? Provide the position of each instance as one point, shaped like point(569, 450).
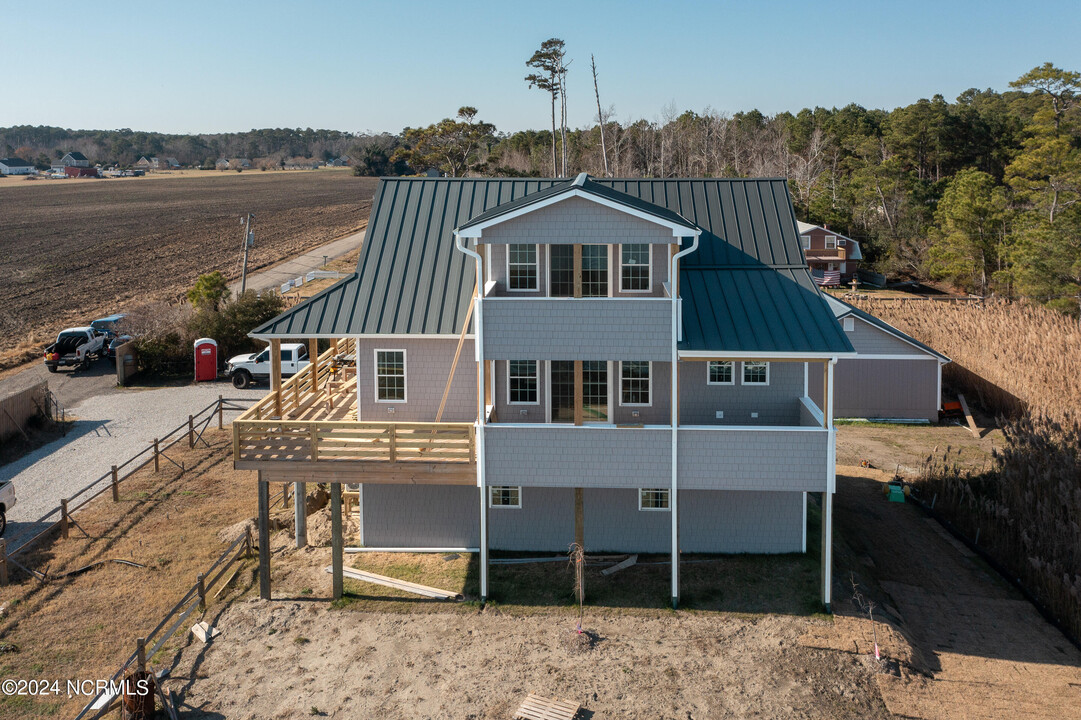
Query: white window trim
point(806, 241)
point(833, 239)
point(668, 493)
point(730, 382)
point(608, 269)
point(849, 324)
point(536, 269)
point(537, 367)
point(649, 269)
point(505, 507)
point(649, 388)
point(405, 374)
point(743, 374)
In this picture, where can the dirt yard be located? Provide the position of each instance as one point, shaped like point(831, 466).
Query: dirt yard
point(77, 248)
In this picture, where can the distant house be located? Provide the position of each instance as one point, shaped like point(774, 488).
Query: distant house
point(338, 162)
point(79, 172)
point(221, 164)
point(15, 166)
point(144, 163)
point(75, 159)
point(242, 163)
point(433, 173)
point(156, 163)
point(833, 258)
point(892, 375)
point(171, 163)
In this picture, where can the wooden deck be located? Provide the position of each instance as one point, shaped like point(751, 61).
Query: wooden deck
point(317, 436)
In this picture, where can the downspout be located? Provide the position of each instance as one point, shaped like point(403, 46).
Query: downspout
point(478, 352)
point(673, 495)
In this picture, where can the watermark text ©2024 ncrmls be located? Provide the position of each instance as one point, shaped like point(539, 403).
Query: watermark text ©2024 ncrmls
point(73, 688)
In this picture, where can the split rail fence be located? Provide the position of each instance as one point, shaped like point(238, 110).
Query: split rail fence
point(61, 517)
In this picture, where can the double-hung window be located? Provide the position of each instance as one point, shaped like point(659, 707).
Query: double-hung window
point(653, 499)
point(505, 497)
point(634, 382)
point(719, 373)
point(831, 242)
point(634, 268)
point(806, 240)
point(756, 373)
point(522, 268)
point(522, 382)
point(390, 375)
point(594, 271)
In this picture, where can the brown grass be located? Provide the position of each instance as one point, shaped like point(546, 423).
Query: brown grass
point(1023, 362)
point(85, 626)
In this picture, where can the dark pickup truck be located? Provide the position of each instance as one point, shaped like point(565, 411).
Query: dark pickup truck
point(76, 346)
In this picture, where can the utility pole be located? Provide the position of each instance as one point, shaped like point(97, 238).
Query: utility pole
point(249, 240)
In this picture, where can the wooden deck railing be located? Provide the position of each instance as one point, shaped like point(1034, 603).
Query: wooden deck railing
point(337, 441)
point(298, 392)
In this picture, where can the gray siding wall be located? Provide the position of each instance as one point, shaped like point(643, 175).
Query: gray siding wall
point(507, 413)
point(577, 329)
point(577, 220)
point(710, 521)
point(867, 339)
point(806, 418)
point(497, 271)
point(740, 522)
point(567, 456)
point(776, 403)
point(420, 516)
point(753, 459)
point(869, 387)
point(427, 367)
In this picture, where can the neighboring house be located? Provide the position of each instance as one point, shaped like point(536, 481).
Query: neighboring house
point(242, 163)
point(75, 159)
point(519, 364)
point(145, 163)
point(79, 172)
point(338, 162)
point(221, 164)
point(16, 166)
point(170, 163)
point(156, 163)
point(834, 259)
point(893, 375)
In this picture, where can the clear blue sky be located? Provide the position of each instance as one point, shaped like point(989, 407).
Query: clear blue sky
point(197, 66)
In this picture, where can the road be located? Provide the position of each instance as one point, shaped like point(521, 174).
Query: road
point(274, 277)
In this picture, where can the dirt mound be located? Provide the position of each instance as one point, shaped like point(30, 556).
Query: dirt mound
point(319, 527)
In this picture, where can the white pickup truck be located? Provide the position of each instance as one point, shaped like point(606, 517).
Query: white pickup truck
point(248, 369)
point(7, 501)
point(76, 346)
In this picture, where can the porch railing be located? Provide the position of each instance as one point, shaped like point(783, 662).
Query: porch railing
point(337, 441)
point(298, 392)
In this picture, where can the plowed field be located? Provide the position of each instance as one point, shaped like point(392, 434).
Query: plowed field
point(73, 249)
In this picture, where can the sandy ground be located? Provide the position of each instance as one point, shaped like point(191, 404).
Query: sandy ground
point(291, 659)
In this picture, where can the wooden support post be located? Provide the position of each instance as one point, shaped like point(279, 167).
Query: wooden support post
point(140, 654)
point(276, 375)
point(264, 538)
point(285, 495)
point(337, 544)
point(393, 437)
point(579, 518)
point(313, 441)
point(157, 452)
point(579, 386)
point(64, 519)
point(313, 358)
point(200, 584)
point(300, 514)
point(576, 253)
point(3, 562)
point(191, 432)
point(221, 403)
point(116, 484)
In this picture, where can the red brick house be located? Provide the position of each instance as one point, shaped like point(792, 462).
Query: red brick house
point(832, 257)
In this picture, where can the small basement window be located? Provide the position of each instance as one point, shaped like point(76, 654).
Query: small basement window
point(720, 373)
point(653, 499)
point(502, 496)
point(756, 373)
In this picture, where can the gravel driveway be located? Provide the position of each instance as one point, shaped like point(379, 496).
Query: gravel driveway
point(110, 428)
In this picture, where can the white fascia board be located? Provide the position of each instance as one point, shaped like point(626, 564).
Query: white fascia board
point(379, 336)
point(758, 355)
point(678, 230)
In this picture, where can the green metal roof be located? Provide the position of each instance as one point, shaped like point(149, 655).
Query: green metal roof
point(746, 288)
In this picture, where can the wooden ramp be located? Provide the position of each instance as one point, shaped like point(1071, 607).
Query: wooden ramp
point(397, 584)
point(536, 707)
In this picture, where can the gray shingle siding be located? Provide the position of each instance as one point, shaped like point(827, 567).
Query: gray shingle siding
point(753, 459)
point(710, 521)
point(578, 457)
point(867, 387)
point(428, 362)
point(577, 329)
point(869, 340)
point(776, 403)
point(577, 220)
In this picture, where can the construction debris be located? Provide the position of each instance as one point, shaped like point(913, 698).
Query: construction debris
point(620, 566)
point(204, 631)
point(84, 568)
point(536, 707)
point(398, 584)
